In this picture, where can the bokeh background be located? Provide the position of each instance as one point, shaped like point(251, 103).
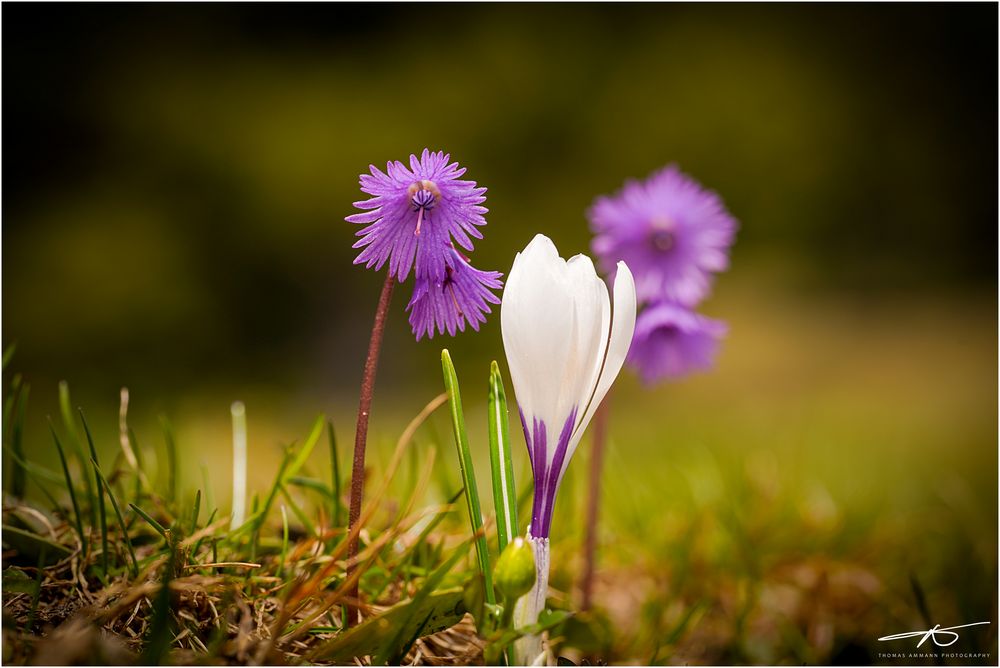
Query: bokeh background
point(175, 183)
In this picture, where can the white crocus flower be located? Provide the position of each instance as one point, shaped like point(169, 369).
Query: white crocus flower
point(564, 348)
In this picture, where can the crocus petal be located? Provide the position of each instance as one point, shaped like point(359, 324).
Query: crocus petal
point(564, 350)
point(536, 323)
point(622, 328)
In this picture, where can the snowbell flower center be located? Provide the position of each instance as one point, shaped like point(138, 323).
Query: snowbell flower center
point(661, 233)
point(424, 194)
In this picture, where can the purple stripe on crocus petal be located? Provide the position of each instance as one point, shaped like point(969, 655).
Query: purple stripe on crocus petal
point(552, 475)
point(538, 469)
point(527, 436)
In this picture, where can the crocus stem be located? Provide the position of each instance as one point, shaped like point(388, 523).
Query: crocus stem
point(529, 606)
point(361, 435)
point(600, 431)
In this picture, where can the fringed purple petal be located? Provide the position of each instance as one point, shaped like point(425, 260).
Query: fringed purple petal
point(462, 296)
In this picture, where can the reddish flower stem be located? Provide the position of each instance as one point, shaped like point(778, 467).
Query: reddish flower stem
point(361, 437)
point(599, 429)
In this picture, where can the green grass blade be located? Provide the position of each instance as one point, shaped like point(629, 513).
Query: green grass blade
point(303, 453)
point(101, 511)
point(159, 637)
point(311, 483)
point(9, 404)
point(30, 544)
point(195, 512)
point(208, 522)
point(19, 480)
point(207, 485)
point(77, 515)
point(66, 411)
point(261, 515)
point(140, 478)
point(37, 474)
point(171, 443)
point(150, 521)
point(37, 594)
point(468, 473)
point(272, 494)
point(284, 541)
point(501, 465)
point(290, 465)
point(405, 559)
point(335, 475)
point(299, 513)
point(8, 354)
point(118, 515)
point(35, 471)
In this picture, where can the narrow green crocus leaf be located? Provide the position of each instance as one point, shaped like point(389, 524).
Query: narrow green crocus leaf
point(501, 466)
point(468, 472)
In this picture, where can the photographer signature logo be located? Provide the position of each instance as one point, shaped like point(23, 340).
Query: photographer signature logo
point(949, 636)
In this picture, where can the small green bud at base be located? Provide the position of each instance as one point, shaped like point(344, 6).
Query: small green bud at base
point(514, 574)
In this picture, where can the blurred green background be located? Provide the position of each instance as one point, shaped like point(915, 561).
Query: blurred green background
point(175, 183)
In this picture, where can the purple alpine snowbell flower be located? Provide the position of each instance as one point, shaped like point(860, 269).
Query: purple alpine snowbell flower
point(672, 341)
point(447, 303)
point(672, 233)
point(416, 213)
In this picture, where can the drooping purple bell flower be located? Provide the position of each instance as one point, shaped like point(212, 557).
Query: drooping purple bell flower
point(672, 341)
point(447, 304)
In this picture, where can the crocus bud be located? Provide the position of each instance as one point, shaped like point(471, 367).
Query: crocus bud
point(515, 571)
